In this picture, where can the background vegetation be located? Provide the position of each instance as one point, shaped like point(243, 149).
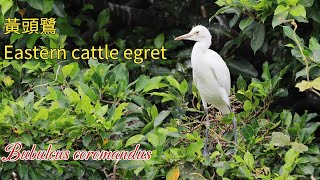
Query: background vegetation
point(271, 47)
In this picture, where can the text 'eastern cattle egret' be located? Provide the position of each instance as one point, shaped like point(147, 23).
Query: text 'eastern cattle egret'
point(210, 74)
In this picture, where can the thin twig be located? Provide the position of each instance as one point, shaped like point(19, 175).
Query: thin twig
point(226, 140)
point(31, 88)
point(313, 90)
point(115, 170)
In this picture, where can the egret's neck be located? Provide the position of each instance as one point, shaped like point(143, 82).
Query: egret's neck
point(199, 50)
point(202, 46)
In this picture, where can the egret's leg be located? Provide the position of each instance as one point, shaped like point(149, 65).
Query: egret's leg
point(206, 152)
point(234, 128)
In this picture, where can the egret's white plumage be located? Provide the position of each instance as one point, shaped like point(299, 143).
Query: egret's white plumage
point(210, 73)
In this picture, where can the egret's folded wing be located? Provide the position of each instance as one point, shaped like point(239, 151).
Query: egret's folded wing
point(221, 71)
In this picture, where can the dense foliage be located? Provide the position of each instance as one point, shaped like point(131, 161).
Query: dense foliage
point(271, 47)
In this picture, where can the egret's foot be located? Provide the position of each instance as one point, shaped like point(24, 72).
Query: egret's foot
point(205, 152)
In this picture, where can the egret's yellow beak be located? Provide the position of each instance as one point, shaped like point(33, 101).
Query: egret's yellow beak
point(182, 37)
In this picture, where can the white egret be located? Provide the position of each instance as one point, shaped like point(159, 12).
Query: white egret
point(210, 74)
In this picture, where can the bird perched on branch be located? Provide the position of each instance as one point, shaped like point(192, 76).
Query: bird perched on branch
point(210, 74)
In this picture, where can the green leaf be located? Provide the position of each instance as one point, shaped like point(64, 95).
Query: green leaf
point(184, 87)
point(288, 31)
point(245, 23)
point(89, 92)
point(32, 39)
point(22, 170)
point(234, 20)
point(304, 85)
point(153, 83)
point(34, 174)
point(119, 111)
point(155, 140)
point(15, 37)
point(7, 81)
point(134, 139)
point(103, 18)
point(290, 156)
point(258, 37)
point(142, 81)
point(306, 3)
point(162, 115)
point(86, 140)
point(58, 8)
point(154, 112)
point(42, 114)
point(147, 128)
point(247, 106)
point(314, 13)
point(280, 139)
point(249, 160)
point(66, 70)
point(314, 44)
point(26, 139)
point(279, 19)
point(221, 3)
point(307, 169)
point(266, 72)
point(314, 149)
point(72, 96)
point(280, 9)
point(173, 82)
point(132, 164)
point(241, 83)
point(299, 10)
point(159, 40)
point(299, 147)
point(194, 148)
point(43, 5)
point(5, 5)
point(243, 67)
point(247, 131)
point(292, 2)
point(287, 118)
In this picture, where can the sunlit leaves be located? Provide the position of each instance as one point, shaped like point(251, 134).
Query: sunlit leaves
point(134, 139)
point(156, 139)
point(249, 160)
point(5, 5)
point(304, 85)
point(299, 147)
point(298, 10)
point(280, 139)
point(7, 81)
point(280, 9)
point(72, 96)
